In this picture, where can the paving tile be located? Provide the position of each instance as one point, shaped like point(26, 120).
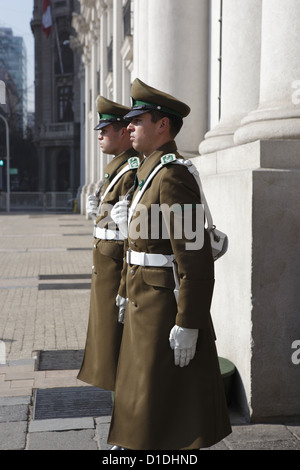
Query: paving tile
point(21, 383)
point(289, 444)
point(13, 435)
point(294, 429)
point(43, 425)
point(13, 413)
point(63, 440)
point(19, 374)
point(22, 400)
point(15, 392)
point(258, 432)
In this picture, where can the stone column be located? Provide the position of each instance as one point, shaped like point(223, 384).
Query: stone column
point(104, 38)
point(277, 116)
point(103, 51)
point(140, 40)
point(87, 63)
point(177, 60)
point(117, 44)
point(241, 40)
point(94, 92)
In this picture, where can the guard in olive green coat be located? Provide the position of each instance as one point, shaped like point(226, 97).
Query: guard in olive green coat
point(104, 330)
point(171, 389)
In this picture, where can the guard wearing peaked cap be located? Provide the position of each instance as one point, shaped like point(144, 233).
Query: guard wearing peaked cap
point(110, 112)
point(104, 328)
point(168, 379)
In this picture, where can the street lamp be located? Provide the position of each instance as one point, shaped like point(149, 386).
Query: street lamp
point(7, 164)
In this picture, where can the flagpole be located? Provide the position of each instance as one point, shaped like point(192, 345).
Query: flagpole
point(58, 47)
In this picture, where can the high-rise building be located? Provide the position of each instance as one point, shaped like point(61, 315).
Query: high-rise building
point(13, 67)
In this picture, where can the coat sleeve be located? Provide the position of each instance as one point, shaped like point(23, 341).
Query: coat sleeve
point(193, 256)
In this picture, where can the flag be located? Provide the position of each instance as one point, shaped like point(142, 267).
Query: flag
point(47, 19)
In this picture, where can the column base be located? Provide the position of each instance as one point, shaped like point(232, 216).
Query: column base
point(269, 123)
point(221, 137)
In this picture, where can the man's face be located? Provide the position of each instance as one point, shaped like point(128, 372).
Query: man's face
point(143, 134)
point(109, 140)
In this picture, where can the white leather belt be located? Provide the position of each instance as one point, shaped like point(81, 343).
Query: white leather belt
point(106, 234)
point(149, 259)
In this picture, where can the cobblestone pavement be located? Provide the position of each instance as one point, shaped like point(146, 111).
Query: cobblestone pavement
point(45, 273)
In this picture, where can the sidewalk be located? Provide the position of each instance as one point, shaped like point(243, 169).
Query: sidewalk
point(45, 273)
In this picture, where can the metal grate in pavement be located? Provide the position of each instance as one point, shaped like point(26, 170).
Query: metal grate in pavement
point(76, 234)
point(79, 249)
point(48, 277)
point(64, 286)
point(71, 402)
point(66, 359)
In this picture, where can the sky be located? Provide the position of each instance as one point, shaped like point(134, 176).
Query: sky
point(17, 14)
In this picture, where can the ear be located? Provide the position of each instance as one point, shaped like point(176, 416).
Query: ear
point(123, 132)
point(164, 125)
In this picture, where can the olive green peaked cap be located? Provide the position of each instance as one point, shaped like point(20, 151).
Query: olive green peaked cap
point(145, 98)
point(109, 112)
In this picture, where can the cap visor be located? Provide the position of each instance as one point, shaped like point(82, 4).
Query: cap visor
point(101, 125)
point(135, 112)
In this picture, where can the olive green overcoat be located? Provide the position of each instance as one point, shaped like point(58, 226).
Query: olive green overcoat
point(160, 406)
point(104, 331)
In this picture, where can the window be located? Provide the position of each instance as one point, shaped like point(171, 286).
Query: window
point(65, 104)
point(127, 19)
point(110, 57)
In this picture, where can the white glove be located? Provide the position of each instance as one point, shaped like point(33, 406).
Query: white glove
point(121, 303)
point(92, 206)
point(183, 341)
point(119, 214)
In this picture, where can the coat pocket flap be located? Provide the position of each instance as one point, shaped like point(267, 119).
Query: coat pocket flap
point(112, 249)
point(158, 277)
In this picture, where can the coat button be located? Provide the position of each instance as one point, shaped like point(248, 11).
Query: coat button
point(132, 271)
point(134, 304)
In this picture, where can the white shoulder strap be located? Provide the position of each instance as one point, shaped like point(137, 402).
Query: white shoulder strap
point(141, 192)
point(166, 159)
point(114, 180)
point(193, 170)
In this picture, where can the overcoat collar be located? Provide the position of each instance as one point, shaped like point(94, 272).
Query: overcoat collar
point(153, 159)
point(117, 163)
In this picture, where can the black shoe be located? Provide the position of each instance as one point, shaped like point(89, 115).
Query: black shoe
point(117, 448)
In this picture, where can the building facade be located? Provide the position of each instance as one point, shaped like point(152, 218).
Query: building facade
point(237, 65)
point(13, 68)
point(57, 103)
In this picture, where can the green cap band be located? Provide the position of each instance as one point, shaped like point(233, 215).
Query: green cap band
point(156, 106)
point(110, 117)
